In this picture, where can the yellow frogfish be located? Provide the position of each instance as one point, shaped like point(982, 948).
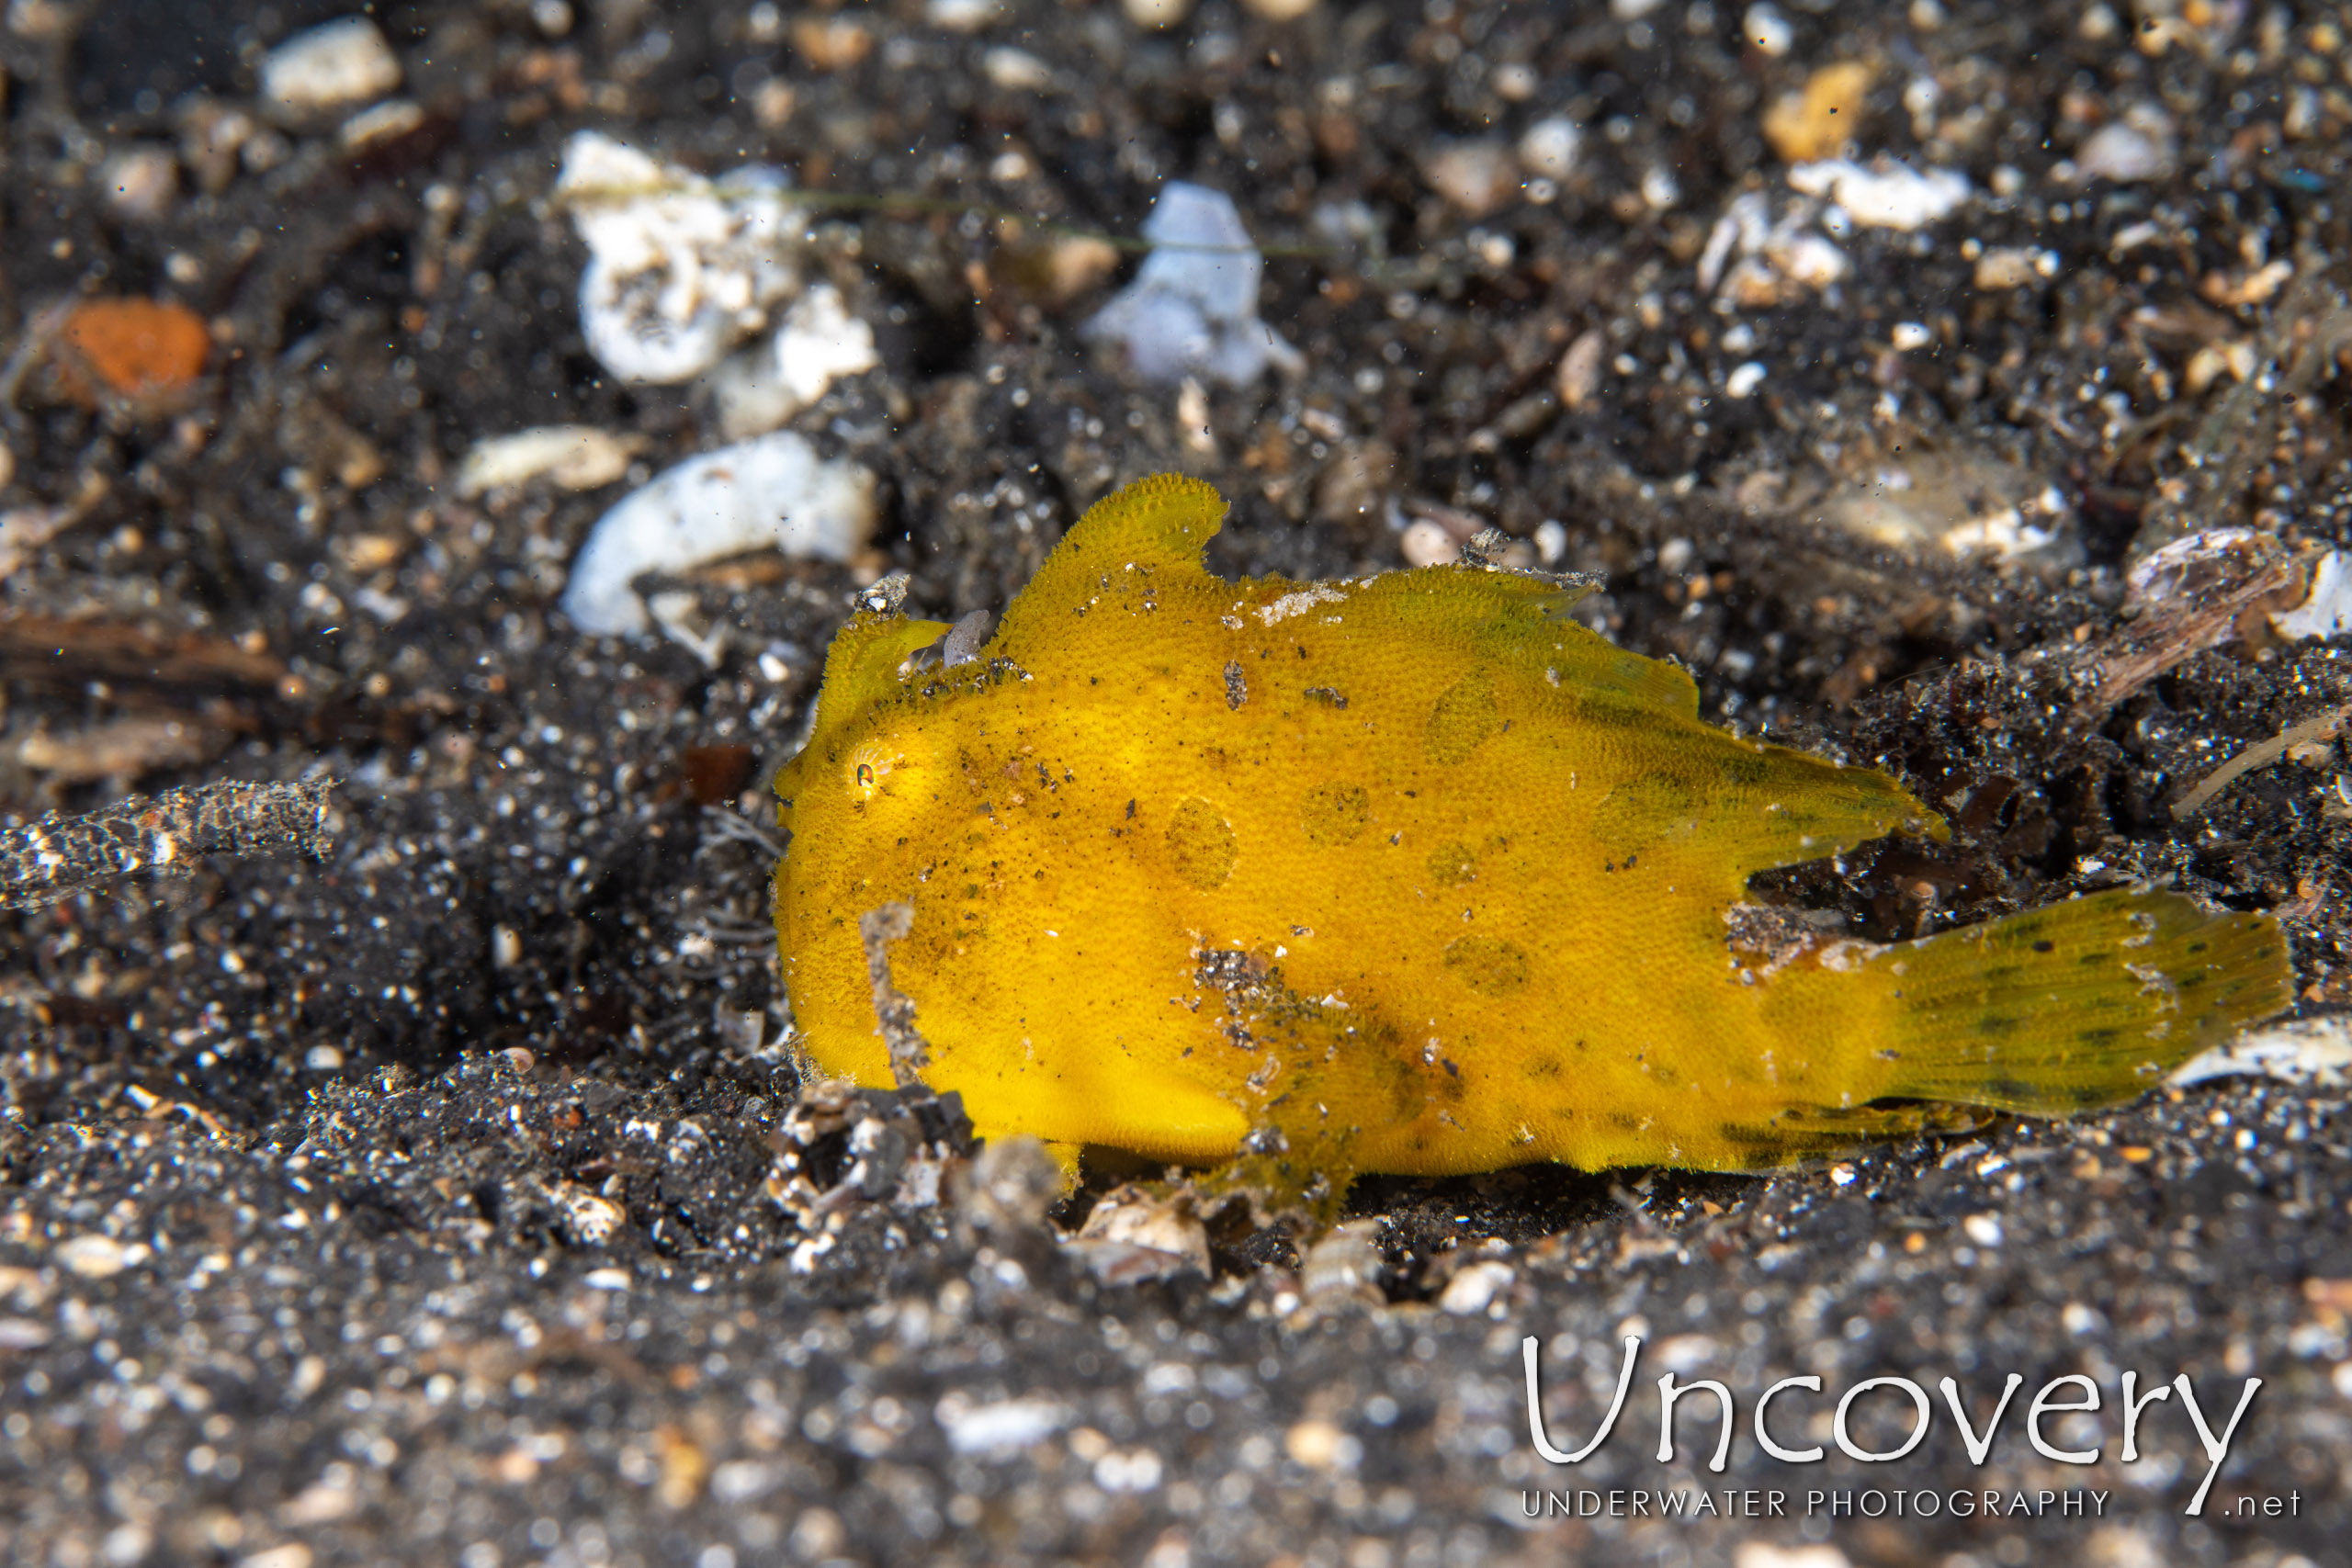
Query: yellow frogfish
point(1412, 872)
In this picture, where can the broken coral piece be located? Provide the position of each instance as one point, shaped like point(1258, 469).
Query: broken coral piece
point(1192, 308)
point(772, 491)
point(680, 268)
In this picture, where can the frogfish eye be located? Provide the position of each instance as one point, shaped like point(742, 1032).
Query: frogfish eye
point(870, 766)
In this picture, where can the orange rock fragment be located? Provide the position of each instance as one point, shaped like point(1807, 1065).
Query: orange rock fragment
point(1819, 119)
point(147, 353)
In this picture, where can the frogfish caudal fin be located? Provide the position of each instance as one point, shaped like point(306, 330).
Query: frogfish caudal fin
point(2072, 1005)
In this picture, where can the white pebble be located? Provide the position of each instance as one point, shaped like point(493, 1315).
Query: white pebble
point(962, 16)
point(330, 67)
point(1477, 177)
point(999, 1430)
point(96, 1257)
point(1156, 14)
point(2123, 152)
point(1908, 335)
point(1474, 1288)
point(1427, 544)
point(1549, 147)
point(1016, 70)
point(774, 492)
point(1887, 195)
point(2014, 266)
point(571, 457)
point(1768, 29)
point(1744, 380)
point(140, 183)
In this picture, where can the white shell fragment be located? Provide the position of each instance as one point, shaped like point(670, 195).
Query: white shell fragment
point(2316, 1051)
point(330, 67)
point(2328, 611)
point(775, 491)
point(1886, 195)
point(680, 268)
point(762, 388)
point(820, 340)
point(569, 457)
point(1193, 310)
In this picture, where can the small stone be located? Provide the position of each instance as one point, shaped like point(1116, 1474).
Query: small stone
point(1476, 177)
point(140, 183)
point(211, 135)
point(1132, 1235)
point(1580, 376)
point(1281, 10)
point(1770, 31)
point(1515, 81)
point(1001, 1430)
point(1820, 118)
point(1885, 193)
point(2014, 266)
point(962, 16)
point(1016, 70)
point(1320, 1445)
point(569, 457)
point(96, 1257)
point(1425, 543)
point(381, 125)
point(1343, 1268)
point(1549, 147)
point(146, 353)
point(2131, 150)
point(1157, 15)
point(330, 67)
point(832, 43)
point(1474, 1288)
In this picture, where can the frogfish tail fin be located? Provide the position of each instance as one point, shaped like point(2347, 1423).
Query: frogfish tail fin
point(2078, 1005)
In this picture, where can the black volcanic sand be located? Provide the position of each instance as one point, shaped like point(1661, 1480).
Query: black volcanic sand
point(415, 1205)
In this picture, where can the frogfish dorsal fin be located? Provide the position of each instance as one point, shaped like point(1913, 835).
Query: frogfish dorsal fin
point(1158, 524)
